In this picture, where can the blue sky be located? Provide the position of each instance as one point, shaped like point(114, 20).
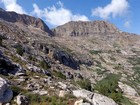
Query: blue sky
point(123, 13)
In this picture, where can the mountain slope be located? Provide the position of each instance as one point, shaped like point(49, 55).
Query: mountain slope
point(23, 19)
point(95, 56)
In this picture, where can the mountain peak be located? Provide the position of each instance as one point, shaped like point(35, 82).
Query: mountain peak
point(83, 28)
point(23, 19)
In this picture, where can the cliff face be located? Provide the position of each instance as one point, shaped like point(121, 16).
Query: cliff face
point(81, 28)
point(23, 19)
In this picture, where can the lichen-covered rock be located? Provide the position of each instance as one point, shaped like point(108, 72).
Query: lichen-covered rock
point(6, 93)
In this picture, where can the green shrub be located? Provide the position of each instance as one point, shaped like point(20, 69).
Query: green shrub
point(16, 90)
point(20, 50)
point(54, 100)
point(43, 64)
point(108, 86)
point(85, 84)
point(59, 74)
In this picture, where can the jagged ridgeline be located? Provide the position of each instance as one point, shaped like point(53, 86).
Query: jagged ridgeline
point(78, 63)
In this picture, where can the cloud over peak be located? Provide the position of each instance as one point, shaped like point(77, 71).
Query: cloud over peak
point(115, 8)
point(11, 5)
point(57, 15)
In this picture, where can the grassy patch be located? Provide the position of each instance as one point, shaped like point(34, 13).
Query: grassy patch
point(109, 87)
point(59, 74)
point(95, 51)
point(43, 64)
point(85, 84)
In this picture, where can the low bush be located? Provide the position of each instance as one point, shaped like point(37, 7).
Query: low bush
point(85, 84)
point(20, 50)
point(59, 74)
point(43, 64)
point(108, 87)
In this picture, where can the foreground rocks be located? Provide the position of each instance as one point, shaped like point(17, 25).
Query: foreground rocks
point(22, 100)
point(6, 93)
point(130, 92)
point(94, 98)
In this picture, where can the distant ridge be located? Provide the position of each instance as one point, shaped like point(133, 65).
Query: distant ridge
point(23, 19)
point(84, 28)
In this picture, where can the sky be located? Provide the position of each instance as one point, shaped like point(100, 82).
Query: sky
point(124, 14)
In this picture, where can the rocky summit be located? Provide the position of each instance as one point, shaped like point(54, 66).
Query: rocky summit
point(78, 63)
point(85, 28)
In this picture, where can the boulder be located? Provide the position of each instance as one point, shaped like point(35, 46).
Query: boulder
point(6, 93)
point(127, 90)
point(94, 98)
point(62, 93)
point(62, 85)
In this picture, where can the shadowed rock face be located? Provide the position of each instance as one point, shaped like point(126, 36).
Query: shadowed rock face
point(6, 65)
point(66, 59)
point(23, 19)
point(87, 28)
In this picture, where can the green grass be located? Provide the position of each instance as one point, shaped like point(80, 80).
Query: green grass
point(95, 51)
point(43, 64)
point(84, 84)
point(108, 87)
point(59, 75)
point(20, 50)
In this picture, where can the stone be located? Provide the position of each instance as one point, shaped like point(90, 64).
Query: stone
point(22, 100)
point(40, 92)
point(69, 75)
point(62, 85)
point(94, 98)
point(6, 93)
point(81, 102)
point(62, 93)
point(127, 90)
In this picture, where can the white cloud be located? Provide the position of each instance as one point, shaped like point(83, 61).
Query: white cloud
point(11, 5)
point(115, 8)
point(57, 15)
point(127, 24)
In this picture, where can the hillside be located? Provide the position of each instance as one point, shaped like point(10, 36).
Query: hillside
point(91, 62)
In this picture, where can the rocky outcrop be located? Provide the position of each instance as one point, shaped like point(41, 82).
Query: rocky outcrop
point(87, 28)
point(6, 65)
point(66, 59)
point(24, 19)
point(94, 98)
point(6, 93)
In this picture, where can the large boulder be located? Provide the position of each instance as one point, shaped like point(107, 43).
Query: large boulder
point(6, 93)
point(94, 98)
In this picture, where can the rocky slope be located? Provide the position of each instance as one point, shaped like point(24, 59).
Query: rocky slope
point(94, 59)
point(23, 19)
point(81, 28)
